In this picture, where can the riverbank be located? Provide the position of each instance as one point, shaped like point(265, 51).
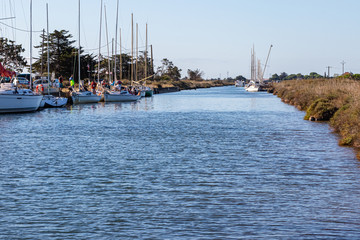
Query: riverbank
point(188, 84)
point(334, 100)
point(164, 86)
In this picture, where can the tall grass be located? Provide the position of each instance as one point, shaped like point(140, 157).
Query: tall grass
point(334, 100)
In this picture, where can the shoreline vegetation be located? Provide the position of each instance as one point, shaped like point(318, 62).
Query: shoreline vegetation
point(335, 100)
point(172, 85)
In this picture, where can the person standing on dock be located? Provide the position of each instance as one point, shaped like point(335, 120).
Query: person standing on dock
point(61, 82)
point(93, 87)
point(72, 83)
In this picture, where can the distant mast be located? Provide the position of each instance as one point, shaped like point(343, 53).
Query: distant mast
point(48, 54)
point(137, 52)
point(267, 58)
point(99, 57)
point(132, 49)
point(146, 43)
point(31, 85)
point(47, 29)
point(107, 40)
point(79, 49)
point(117, 14)
point(120, 55)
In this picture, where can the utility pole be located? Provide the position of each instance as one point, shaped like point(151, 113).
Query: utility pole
point(343, 63)
point(328, 67)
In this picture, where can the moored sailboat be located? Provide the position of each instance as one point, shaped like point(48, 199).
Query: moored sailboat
point(13, 99)
point(83, 96)
point(50, 101)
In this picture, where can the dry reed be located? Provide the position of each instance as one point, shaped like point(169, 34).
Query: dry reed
point(336, 100)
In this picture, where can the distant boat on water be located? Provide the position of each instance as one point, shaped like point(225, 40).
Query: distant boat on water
point(257, 75)
point(239, 83)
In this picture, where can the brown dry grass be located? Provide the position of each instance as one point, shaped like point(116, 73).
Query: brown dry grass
point(337, 100)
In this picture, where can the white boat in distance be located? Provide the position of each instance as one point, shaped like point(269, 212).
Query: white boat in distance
point(17, 100)
point(239, 83)
point(123, 96)
point(252, 87)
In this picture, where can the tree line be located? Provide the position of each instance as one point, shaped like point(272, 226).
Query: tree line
point(285, 76)
point(63, 61)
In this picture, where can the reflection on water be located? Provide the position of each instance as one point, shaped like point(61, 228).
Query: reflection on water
point(215, 163)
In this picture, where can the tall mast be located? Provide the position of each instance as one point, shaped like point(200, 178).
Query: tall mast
point(99, 56)
point(252, 65)
point(146, 43)
point(107, 40)
point(120, 56)
point(31, 85)
point(112, 58)
point(42, 53)
point(79, 50)
point(137, 52)
point(132, 49)
point(152, 60)
point(48, 54)
point(267, 58)
point(117, 14)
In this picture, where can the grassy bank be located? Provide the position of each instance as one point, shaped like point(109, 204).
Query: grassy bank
point(189, 84)
point(333, 100)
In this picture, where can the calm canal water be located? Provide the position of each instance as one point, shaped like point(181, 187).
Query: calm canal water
point(215, 163)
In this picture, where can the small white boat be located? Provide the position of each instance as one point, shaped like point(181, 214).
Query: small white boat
point(84, 97)
point(123, 96)
point(252, 87)
point(50, 101)
point(239, 83)
point(17, 100)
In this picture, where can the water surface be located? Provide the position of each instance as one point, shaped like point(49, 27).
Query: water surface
point(215, 163)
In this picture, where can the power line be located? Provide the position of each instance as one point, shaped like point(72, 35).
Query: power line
point(18, 29)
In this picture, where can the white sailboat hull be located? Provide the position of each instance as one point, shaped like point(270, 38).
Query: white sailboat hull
point(120, 97)
point(252, 88)
point(10, 103)
point(85, 97)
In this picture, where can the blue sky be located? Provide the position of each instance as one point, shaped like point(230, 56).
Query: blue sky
point(211, 35)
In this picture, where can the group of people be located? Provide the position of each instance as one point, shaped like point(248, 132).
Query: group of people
point(104, 84)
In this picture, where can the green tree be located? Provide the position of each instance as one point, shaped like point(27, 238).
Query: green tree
point(195, 74)
point(275, 77)
point(62, 54)
point(10, 55)
point(299, 76)
point(283, 75)
point(291, 76)
point(313, 75)
point(240, 78)
point(168, 71)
